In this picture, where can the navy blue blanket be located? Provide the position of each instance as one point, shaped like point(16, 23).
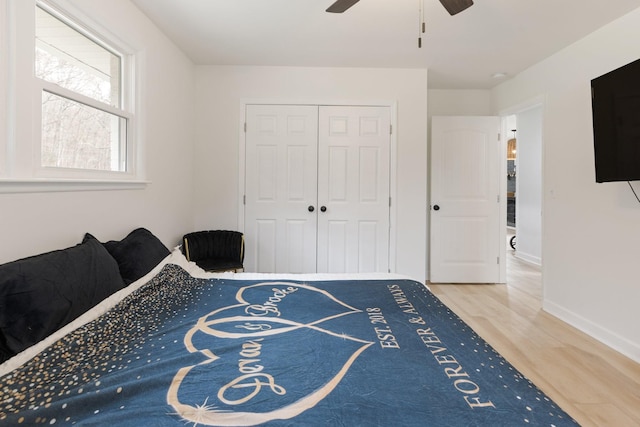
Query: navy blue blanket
point(186, 351)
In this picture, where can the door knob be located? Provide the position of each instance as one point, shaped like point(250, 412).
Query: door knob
point(436, 207)
point(311, 208)
point(323, 208)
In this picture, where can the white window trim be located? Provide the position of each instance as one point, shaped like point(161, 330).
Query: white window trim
point(61, 185)
point(20, 169)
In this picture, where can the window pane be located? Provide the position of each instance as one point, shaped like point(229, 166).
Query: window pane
point(78, 136)
point(68, 58)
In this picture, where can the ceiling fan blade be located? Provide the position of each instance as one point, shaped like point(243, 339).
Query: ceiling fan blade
point(456, 6)
point(341, 5)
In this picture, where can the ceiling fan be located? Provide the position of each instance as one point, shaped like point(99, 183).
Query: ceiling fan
point(452, 6)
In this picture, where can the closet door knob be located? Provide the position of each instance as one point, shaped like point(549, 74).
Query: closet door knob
point(311, 208)
point(323, 208)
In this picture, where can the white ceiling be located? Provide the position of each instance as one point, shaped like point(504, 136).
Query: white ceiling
point(461, 51)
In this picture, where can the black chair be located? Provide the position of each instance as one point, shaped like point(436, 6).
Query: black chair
point(215, 250)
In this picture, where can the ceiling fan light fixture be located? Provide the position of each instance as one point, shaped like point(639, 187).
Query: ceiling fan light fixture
point(456, 6)
point(452, 6)
point(341, 5)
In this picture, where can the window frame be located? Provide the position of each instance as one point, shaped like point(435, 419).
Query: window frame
point(23, 171)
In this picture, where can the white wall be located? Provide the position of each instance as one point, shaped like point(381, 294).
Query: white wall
point(220, 90)
point(445, 102)
point(590, 231)
point(31, 223)
point(529, 185)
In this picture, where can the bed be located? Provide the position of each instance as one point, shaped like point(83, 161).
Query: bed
point(172, 345)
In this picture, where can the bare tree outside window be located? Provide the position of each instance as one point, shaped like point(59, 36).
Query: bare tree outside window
point(78, 136)
point(77, 132)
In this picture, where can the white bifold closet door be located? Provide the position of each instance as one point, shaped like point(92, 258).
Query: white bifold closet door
point(317, 189)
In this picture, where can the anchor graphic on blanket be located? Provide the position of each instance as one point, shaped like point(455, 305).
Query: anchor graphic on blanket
point(251, 374)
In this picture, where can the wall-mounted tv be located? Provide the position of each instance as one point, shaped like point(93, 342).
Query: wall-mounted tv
point(615, 105)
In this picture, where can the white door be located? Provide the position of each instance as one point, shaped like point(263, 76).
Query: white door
point(465, 202)
point(317, 189)
point(281, 188)
point(353, 189)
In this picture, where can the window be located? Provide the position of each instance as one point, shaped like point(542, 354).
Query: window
point(71, 105)
point(83, 123)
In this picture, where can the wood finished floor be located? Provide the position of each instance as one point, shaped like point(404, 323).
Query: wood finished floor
point(594, 384)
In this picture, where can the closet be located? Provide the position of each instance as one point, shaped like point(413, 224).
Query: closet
point(317, 196)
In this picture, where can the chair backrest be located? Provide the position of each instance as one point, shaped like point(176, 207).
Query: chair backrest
point(222, 244)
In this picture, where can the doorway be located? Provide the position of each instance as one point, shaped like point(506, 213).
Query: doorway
point(511, 177)
point(511, 158)
point(524, 182)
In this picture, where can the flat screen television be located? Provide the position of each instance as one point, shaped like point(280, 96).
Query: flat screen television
point(615, 105)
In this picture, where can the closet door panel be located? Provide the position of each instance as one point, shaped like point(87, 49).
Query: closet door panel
point(335, 248)
point(338, 171)
point(265, 244)
point(281, 185)
point(368, 245)
point(353, 186)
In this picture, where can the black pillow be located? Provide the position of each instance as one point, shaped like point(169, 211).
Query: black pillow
point(42, 293)
point(137, 254)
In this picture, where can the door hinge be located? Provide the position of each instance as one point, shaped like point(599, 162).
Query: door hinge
point(498, 198)
point(498, 260)
point(390, 129)
point(245, 127)
point(244, 199)
point(389, 201)
point(498, 136)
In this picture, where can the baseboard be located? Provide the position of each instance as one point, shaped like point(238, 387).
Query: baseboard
point(605, 336)
point(528, 258)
